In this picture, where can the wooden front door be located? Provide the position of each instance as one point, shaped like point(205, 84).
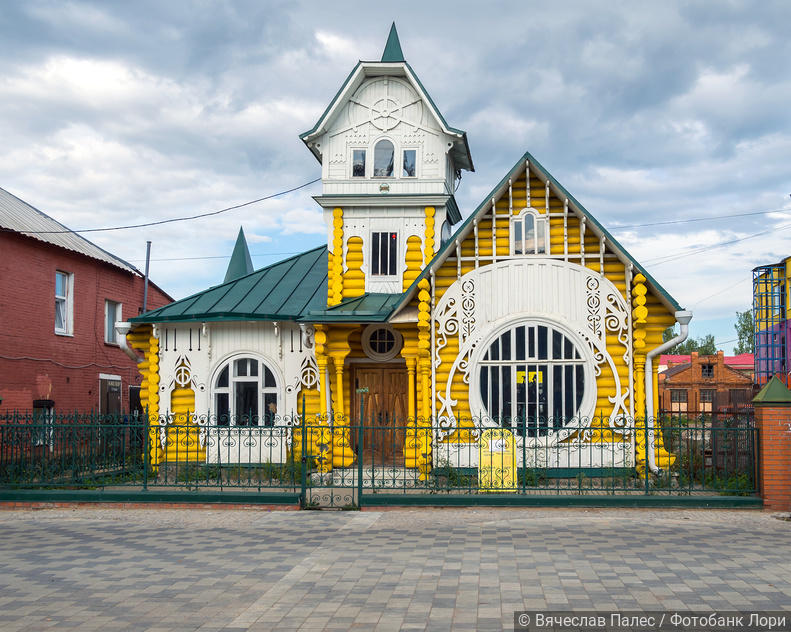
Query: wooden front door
point(385, 416)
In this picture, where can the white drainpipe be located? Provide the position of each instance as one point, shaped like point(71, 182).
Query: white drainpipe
point(682, 318)
point(122, 329)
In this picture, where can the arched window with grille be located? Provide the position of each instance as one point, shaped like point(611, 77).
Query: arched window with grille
point(246, 393)
point(531, 378)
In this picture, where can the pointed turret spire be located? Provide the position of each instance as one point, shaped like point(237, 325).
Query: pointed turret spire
point(241, 264)
point(392, 52)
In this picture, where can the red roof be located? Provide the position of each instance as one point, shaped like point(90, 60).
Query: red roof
point(742, 360)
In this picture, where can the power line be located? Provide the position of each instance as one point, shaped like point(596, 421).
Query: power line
point(163, 221)
point(720, 292)
point(699, 219)
point(264, 254)
point(668, 258)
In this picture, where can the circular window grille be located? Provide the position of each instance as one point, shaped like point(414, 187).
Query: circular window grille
point(381, 342)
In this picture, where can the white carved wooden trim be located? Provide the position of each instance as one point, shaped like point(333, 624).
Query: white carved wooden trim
point(553, 291)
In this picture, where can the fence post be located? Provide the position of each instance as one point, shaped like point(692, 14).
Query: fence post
point(362, 392)
point(146, 454)
point(646, 471)
point(304, 477)
point(773, 421)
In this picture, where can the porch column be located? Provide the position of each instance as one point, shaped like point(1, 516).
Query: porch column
point(411, 365)
point(320, 350)
point(342, 455)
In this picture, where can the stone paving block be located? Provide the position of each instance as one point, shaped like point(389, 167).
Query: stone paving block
point(400, 570)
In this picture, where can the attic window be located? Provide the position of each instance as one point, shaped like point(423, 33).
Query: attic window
point(707, 370)
point(528, 234)
point(358, 163)
point(410, 158)
point(384, 157)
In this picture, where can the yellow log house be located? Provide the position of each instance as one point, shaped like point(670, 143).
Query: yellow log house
point(527, 315)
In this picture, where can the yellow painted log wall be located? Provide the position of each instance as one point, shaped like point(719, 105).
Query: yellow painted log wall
point(563, 239)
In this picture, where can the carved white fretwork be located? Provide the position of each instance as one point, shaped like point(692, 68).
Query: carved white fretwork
point(486, 300)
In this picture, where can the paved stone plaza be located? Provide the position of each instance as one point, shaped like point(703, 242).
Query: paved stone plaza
point(182, 570)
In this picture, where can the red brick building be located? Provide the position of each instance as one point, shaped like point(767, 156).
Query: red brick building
point(60, 296)
point(704, 384)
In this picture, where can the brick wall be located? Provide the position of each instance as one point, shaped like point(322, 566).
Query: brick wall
point(690, 377)
point(37, 363)
point(774, 434)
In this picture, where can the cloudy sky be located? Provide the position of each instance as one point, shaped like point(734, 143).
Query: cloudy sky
point(671, 116)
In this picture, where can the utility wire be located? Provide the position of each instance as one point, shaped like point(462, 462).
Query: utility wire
point(164, 221)
point(720, 292)
point(668, 258)
point(700, 219)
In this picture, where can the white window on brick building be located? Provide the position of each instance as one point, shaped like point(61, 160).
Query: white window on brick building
point(64, 308)
point(112, 314)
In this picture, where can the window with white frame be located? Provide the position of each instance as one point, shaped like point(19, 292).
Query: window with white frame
point(112, 314)
point(384, 254)
point(528, 233)
point(532, 379)
point(384, 159)
point(388, 161)
point(358, 163)
point(246, 393)
point(63, 302)
point(409, 163)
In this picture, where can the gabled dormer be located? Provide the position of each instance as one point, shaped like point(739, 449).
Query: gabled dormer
point(390, 164)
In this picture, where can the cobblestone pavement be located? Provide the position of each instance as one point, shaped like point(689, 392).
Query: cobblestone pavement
point(423, 569)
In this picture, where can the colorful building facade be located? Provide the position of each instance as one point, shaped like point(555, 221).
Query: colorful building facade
point(528, 315)
point(771, 321)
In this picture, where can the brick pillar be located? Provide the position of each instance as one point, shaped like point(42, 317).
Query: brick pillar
point(773, 420)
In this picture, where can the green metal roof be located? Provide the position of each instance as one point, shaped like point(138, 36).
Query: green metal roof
point(392, 50)
point(369, 308)
point(282, 291)
point(775, 392)
point(241, 264)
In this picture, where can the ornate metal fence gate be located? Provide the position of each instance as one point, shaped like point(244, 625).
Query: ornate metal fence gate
point(384, 460)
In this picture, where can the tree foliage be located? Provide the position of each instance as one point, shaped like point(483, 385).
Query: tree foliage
point(704, 345)
point(745, 331)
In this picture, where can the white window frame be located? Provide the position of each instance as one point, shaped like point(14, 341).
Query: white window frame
point(110, 334)
point(366, 170)
point(541, 225)
point(379, 276)
point(398, 160)
point(395, 146)
point(261, 417)
point(67, 301)
point(417, 163)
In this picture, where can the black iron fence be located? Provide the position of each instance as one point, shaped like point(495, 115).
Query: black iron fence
point(338, 463)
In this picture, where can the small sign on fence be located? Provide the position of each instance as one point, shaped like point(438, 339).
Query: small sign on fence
point(497, 460)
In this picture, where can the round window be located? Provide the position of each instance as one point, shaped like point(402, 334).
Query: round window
point(381, 342)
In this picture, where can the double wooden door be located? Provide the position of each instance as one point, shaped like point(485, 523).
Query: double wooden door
point(385, 411)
